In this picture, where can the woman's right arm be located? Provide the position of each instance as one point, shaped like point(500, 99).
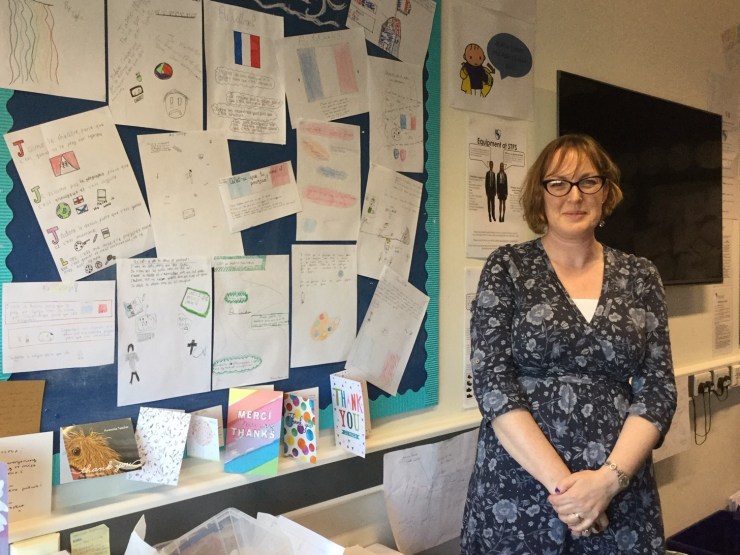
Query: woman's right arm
point(500, 398)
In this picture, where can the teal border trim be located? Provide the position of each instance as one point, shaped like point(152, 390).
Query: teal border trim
point(6, 214)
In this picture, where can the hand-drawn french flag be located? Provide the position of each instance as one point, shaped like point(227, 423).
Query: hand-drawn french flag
point(246, 49)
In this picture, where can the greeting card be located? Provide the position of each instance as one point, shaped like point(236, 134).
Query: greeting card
point(349, 413)
point(161, 435)
point(253, 431)
point(99, 448)
point(301, 425)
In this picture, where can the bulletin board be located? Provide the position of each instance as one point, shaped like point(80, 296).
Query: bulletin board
point(81, 395)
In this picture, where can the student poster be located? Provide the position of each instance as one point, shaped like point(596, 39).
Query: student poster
point(497, 164)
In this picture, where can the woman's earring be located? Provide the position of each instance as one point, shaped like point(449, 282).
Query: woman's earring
point(602, 223)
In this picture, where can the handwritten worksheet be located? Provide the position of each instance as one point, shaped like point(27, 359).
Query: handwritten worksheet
point(396, 115)
point(83, 192)
point(388, 228)
point(400, 27)
point(164, 328)
point(251, 316)
point(388, 332)
point(54, 48)
point(4, 511)
point(329, 181)
point(181, 172)
point(325, 75)
point(58, 325)
point(246, 90)
point(254, 198)
point(155, 63)
point(324, 303)
point(29, 460)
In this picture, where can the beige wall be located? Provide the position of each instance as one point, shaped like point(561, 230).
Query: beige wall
point(664, 48)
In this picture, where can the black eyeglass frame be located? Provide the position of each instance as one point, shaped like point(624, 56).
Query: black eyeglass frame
point(572, 184)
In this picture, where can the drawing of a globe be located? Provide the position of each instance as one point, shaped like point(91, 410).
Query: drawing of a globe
point(163, 71)
point(63, 210)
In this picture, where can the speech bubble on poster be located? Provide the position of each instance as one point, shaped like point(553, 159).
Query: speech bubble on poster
point(479, 152)
point(509, 55)
point(513, 158)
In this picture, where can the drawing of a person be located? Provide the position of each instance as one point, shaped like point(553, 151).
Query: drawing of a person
point(491, 191)
point(502, 191)
point(132, 358)
point(477, 79)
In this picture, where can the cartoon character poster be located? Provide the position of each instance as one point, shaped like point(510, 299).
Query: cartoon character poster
point(491, 67)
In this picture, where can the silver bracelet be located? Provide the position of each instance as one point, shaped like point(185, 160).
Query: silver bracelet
point(622, 478)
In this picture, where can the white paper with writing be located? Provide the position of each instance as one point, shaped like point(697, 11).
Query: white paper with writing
point(329, 181)
point(254, 198)
point(388, 332)
point(181, 171)
point(58, 325)
point(83, 192)
point(251, 316)
point(388, 228)
point(155, 63)
point(246, 90)
point(54, 48)
point(324, 303)
point(29, 460)
point(164, 328)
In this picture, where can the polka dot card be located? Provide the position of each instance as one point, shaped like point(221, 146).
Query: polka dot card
point(300, 426)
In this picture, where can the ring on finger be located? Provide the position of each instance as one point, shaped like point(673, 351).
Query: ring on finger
point(578, 516)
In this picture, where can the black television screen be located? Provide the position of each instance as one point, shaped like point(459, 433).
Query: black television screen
point(670, 156)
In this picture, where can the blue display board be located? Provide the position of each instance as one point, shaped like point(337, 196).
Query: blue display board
point(79, 395)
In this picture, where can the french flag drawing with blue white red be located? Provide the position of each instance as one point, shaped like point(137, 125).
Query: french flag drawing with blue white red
point(246, 49)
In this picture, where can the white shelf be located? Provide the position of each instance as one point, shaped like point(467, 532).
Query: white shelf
point(89, 501)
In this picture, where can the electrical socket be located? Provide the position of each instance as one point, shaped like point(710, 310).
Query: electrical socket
point(735, 375)
point(699, 383)
point(721, 379)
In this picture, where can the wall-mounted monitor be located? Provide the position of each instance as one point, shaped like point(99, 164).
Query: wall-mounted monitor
point(670, 156)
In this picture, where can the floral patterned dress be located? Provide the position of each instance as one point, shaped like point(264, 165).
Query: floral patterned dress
point(533, 349)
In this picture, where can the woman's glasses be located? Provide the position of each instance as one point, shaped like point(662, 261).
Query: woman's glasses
point(587, 185)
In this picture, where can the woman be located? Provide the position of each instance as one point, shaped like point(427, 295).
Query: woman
point(573, 374)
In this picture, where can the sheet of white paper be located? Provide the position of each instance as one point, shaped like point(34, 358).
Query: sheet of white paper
point(155, 63)
point(388, 332)
point(490, 61)
point(246, 90)
point(324, 303)
point(251, 315)
point(54, 48)
point(164, 328)
point(83, 192)
point(491, 143)
point(253, 198)
point(161, 435)
point(401, 28)
point(388, 229)
point(181, 172)
point(329, 181)
point(396, 115)
point(58, 325)
point(136, 544)
point(432, 476)
point(679, 437)
point(302, 540)
point(325, 75)
point(29, 460)
point(203, 438)
point(722, 320)
point(217, 413)
point(472, 276)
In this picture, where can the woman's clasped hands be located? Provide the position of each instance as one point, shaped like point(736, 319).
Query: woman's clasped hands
point(581, 499)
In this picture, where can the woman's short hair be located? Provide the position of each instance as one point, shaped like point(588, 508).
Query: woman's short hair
point(533, 194)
